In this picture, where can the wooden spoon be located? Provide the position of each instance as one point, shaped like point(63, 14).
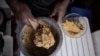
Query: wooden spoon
point(34, 24)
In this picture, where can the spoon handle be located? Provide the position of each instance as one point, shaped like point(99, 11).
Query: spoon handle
point(33, 23)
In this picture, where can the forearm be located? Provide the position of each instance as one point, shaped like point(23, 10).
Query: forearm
point(13, 4)
point(20, 10)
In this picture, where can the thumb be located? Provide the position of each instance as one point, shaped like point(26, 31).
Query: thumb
point(26, 21)
point(31, 19)
point(54, 12)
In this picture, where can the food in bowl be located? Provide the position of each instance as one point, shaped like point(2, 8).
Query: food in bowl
point(43, 36)
point(72, 27)
point(40, 42)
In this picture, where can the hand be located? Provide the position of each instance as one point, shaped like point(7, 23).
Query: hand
point(23, 13)
point(60, 10)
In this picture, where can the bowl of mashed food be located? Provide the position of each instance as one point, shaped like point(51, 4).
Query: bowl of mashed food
point(74, 25)
point(46, 40)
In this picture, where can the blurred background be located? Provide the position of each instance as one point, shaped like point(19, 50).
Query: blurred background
point(9, 25)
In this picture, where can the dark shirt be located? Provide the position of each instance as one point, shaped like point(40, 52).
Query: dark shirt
point(41, 7)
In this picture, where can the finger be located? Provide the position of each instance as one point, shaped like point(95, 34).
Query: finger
point(26, 21)
point(31, 17)
point(22, 19)
point(60, 16)
point(54, 12)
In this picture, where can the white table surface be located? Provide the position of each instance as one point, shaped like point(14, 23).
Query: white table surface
point(96, 39)
point(82, 46)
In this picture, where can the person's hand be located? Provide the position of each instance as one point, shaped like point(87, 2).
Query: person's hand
point(23, 13)
point(60, 10)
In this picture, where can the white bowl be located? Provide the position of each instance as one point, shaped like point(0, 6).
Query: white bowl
point(77, 17)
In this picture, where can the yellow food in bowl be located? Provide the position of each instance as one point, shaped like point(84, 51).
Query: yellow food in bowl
point(73, 28)
point(41, 37)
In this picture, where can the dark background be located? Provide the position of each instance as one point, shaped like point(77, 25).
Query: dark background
point(94, 6)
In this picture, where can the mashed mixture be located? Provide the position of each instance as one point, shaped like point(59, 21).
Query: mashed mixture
point(73, 28)
point(43, 37)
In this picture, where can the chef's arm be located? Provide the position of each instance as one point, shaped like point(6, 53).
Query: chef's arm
point(13, 4)
point(21, 10)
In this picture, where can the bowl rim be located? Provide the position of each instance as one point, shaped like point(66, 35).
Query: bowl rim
point(24, 51)
point(84, 25)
